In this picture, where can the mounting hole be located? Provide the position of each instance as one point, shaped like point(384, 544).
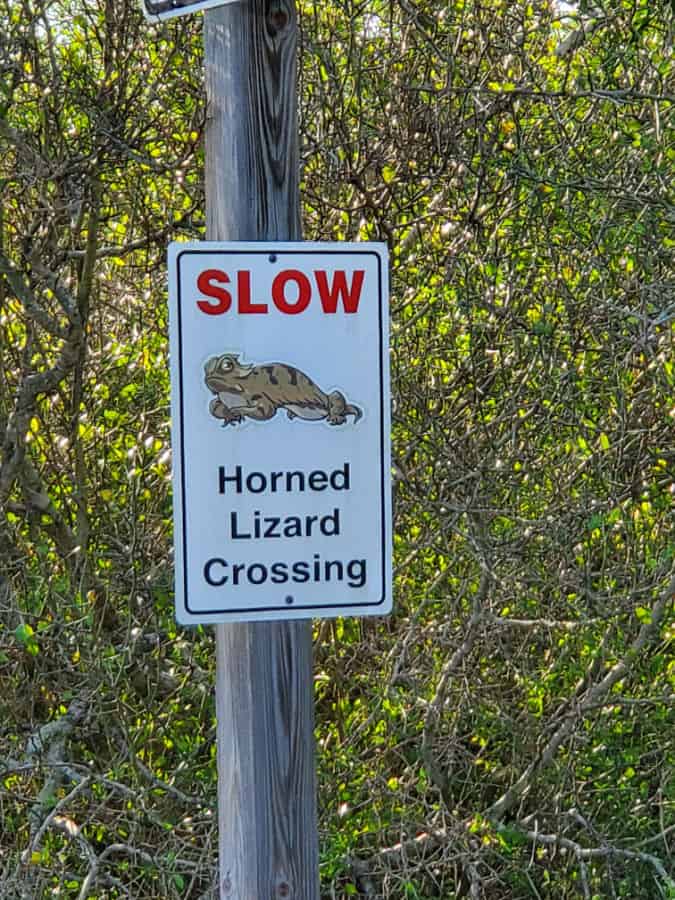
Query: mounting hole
point(273, 257)
point(289, 600)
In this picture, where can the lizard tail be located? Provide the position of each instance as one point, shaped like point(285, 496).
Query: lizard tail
point(351, 410)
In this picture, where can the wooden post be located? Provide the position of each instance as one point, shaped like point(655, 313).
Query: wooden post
point(268, 844)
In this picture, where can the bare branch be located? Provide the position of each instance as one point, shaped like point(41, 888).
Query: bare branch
point(592, 696)
point(29, 301)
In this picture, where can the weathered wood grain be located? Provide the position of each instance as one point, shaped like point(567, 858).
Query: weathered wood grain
point(252, 141)
point(264, 698)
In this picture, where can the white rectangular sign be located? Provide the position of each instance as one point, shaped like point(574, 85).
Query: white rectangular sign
point(155, 10)
point(280, 429)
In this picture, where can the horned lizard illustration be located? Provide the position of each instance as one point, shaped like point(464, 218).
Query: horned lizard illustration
point(257, 392)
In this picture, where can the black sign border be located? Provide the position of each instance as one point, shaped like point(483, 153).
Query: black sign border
point(281, 249)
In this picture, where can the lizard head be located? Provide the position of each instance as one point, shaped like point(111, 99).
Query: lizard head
point(222, 372)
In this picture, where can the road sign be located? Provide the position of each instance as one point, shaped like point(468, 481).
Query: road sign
point(155, 10)
point(280, 427)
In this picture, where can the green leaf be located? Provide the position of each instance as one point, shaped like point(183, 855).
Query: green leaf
point(26, 636)
point(24, 633)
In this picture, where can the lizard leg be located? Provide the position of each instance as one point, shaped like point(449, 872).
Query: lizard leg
point(260, 409)
point(220, 411)
point(336, 409)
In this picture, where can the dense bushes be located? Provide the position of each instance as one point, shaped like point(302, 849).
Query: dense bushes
point(508, 732)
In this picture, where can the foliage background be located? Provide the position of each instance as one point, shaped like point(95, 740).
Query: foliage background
point(508, 733)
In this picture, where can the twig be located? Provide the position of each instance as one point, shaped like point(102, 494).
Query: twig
point(586, 853)
point(63, 802)
point(92, 874)
point(48, 745)
point(150, 776)
point(28, 300)
point(593, 696)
